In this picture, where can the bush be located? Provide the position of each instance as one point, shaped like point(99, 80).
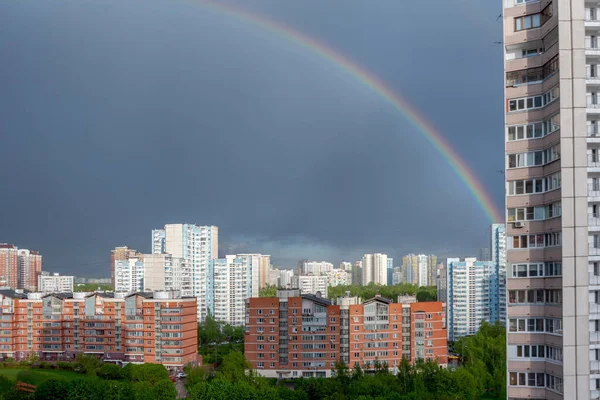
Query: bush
point(110, 372)
point(67, 366)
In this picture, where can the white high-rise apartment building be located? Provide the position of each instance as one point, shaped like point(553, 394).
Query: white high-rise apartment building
point(285, 277)
point(165, 272)
point(129, 275)
point(316, 267)
point(472, 287)
point(551, 54)
point(422, 266)
point(236, 278)
point(197, 246)
point(55, 283)
point(310, 284)
point(374, 269)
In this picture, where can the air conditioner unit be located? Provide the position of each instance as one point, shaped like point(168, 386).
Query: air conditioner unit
point(518, 224)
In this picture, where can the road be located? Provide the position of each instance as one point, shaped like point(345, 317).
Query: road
point(180, 387)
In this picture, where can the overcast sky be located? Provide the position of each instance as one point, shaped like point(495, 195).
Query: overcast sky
point(119, 116)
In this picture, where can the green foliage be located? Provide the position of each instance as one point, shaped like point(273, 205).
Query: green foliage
point(216, 340)
point(52, 389)
point(87, 364)
point(110, 372)
point(268, 291)
point(481, 375)
point(425, 293)
point(151, 373)
point(92, 287)
point(484, 356)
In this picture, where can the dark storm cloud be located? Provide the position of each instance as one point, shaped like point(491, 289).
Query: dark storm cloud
point(118, 117)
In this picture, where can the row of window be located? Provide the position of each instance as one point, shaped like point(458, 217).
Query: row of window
point(536, 379)
point(537, 213)
point(539, 351)
point(536, 270)
point(533, 102)
point(534, 130)
point(535, 296)
point(539, 240)
point(533, 186)
point(536, 325)
point(532, 21)
point(532, 75)
point(534, 158)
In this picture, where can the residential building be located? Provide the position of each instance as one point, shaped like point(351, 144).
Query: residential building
point(128, 274)
point(197, 246)
point(117, 254)
point(345, 265)
point(165, 272)
point(300, 270)
point(55, 283)
point(316, 268)
point(410, 269)
point(310, 284)
point(274, 276)
point(235, 280)
point(442, 283)
point(397, 276)
point(374, 269)
point(339, 277)
point(485, 254)
point(19, 268)
point(297, 335)
point(9, 265)
point(357, 273)
point(285, 278)
point(472, 291)
point(551, 55)
point(432, 267)
point(265, 266)
point(159, 327)
point(390, 271)
point(498, 257)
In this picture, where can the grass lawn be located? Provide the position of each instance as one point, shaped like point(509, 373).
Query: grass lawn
point(37, 376)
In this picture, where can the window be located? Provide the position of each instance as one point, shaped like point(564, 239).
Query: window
point(532, 21)
point(532, 75)
point(533, 102)
point(539, 240)
point(535, 213)
point(533, 130)
point(534, 158)
point(533, 186)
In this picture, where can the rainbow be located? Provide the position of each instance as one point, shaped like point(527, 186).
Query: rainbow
point(433, 136)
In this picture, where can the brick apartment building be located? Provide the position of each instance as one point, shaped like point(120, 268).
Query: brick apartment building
point(158, 327)
point(19, 268)
point(296, 335)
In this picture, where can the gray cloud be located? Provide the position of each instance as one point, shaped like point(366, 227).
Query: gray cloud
point(119, 117)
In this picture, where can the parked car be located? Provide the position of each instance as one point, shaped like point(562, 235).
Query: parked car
point(181, 375)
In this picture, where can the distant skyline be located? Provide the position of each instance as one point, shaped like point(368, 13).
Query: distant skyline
point(177, 113)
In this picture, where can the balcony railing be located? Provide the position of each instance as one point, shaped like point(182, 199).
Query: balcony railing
point(593, 189)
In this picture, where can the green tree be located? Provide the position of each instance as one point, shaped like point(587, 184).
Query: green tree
point(92, 287)
point(52, 389)
point(87, 364)
point(151, 373)
point(110, 371)
point(164, 390)
point(235, 368)
point(268, 291)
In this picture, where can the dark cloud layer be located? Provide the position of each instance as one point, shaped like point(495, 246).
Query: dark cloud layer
point(117, 117)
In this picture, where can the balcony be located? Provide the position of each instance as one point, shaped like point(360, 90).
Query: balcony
point(592, 23)
point(594, 192)
point(594, 222)
point(592, 51)
point(593, 108)
point(594, 308)
point(592, 80)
